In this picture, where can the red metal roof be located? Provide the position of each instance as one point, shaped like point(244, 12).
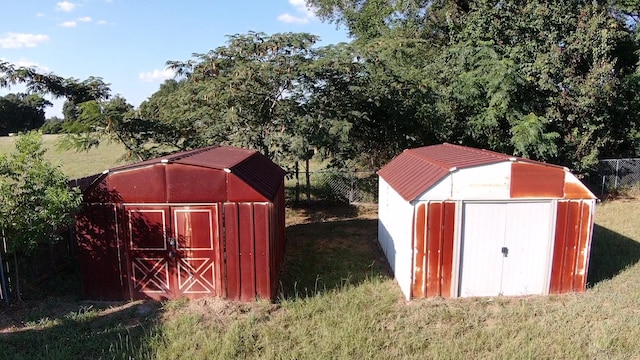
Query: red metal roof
point(252, 167)
point(415, 170)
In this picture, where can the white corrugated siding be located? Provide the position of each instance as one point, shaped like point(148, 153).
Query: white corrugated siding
point(395, 224)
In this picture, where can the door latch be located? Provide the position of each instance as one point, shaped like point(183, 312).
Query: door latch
point(505, 251)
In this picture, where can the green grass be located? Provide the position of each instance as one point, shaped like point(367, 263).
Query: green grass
point(337, 300)
point(73, 163)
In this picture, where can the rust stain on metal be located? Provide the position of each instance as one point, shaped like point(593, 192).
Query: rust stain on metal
point(434, 248)
point(447, 248)
point(575, 190)
point(536, 181)
point(557, 267)
point(420, 256)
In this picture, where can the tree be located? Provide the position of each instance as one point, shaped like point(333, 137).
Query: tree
point(245, 93)
point(36, 200)
point(554, 81)
point(21, 112)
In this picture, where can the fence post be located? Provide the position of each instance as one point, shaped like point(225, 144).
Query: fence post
point(308, 175)
point(297, 183)
point(4, 294)
point(615, 185)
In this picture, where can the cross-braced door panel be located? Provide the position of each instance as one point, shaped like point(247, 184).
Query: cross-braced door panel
point(172, 251)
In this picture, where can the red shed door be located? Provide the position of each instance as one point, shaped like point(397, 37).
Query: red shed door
point(196, 232)
point(172, 251)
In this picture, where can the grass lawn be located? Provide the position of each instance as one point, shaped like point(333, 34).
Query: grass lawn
point(74, 164)
point(339, 301)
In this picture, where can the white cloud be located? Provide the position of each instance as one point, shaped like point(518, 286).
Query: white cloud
point(304, 13)
point(65, 6)
point(156, 75)
point(68, 24)
point(102, 22)
point(84, 19)
point(40, 15)
point(20, 40)
point(290, 19)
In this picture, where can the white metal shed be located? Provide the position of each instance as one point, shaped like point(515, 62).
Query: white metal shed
point(459, 221)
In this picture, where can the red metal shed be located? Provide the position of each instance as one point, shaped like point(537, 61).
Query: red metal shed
point(458, 221)
point(206, 222)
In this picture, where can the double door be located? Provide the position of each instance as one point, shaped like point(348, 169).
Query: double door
point(506, 248)
point(172, 251)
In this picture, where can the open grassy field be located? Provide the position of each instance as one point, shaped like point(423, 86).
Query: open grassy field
point(339, 301)
point(74, 164)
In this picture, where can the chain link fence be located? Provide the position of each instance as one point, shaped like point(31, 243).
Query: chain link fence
point(349, 187)
point(613, 174)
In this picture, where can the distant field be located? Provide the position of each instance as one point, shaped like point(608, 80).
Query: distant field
point(75, 164)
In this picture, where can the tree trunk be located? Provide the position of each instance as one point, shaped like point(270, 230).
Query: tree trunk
point(308, 175)
point(16, 278)
point(297, 183)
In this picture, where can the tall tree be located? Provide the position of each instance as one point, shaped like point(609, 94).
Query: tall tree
point(21, 112)
point(245, 93)
point(549, 80)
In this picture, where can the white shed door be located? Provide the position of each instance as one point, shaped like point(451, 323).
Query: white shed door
point(505, 248)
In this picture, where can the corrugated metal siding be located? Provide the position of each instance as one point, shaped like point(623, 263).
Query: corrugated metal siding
point(572, 246)
point(257, 171)
point(415, 171)
point(249, 191)
point(248, 256)
point(433, 241)
point(101, 252)
point(449, 155)
point(395, 235)
point(261, 174)
point(536, 181)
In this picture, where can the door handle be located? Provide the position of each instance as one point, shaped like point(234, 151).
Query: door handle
point(505, 251)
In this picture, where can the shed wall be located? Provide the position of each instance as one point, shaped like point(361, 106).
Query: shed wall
point(573, 234)
point(395, 224)
point(101, 252)
point(253, 230)
point(434, 249)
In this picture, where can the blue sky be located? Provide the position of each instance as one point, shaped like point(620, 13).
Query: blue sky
point(127, 42)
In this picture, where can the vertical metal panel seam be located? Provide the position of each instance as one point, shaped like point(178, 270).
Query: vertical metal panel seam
point(592, 208)
point(254, 263)
point(457, 248)
point(579, 248)
point(551, 243)
point(120, 274)
point(441, 248)
point(413, 249)
point(564, 246)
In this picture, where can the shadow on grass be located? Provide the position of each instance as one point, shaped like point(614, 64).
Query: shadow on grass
point(56, 329)
point(611, 253)
point(322, 256)
point(321, 211)
point(53, 323)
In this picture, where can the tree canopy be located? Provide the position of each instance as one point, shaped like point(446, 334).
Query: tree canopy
point(21, 112)
point(554, 81)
